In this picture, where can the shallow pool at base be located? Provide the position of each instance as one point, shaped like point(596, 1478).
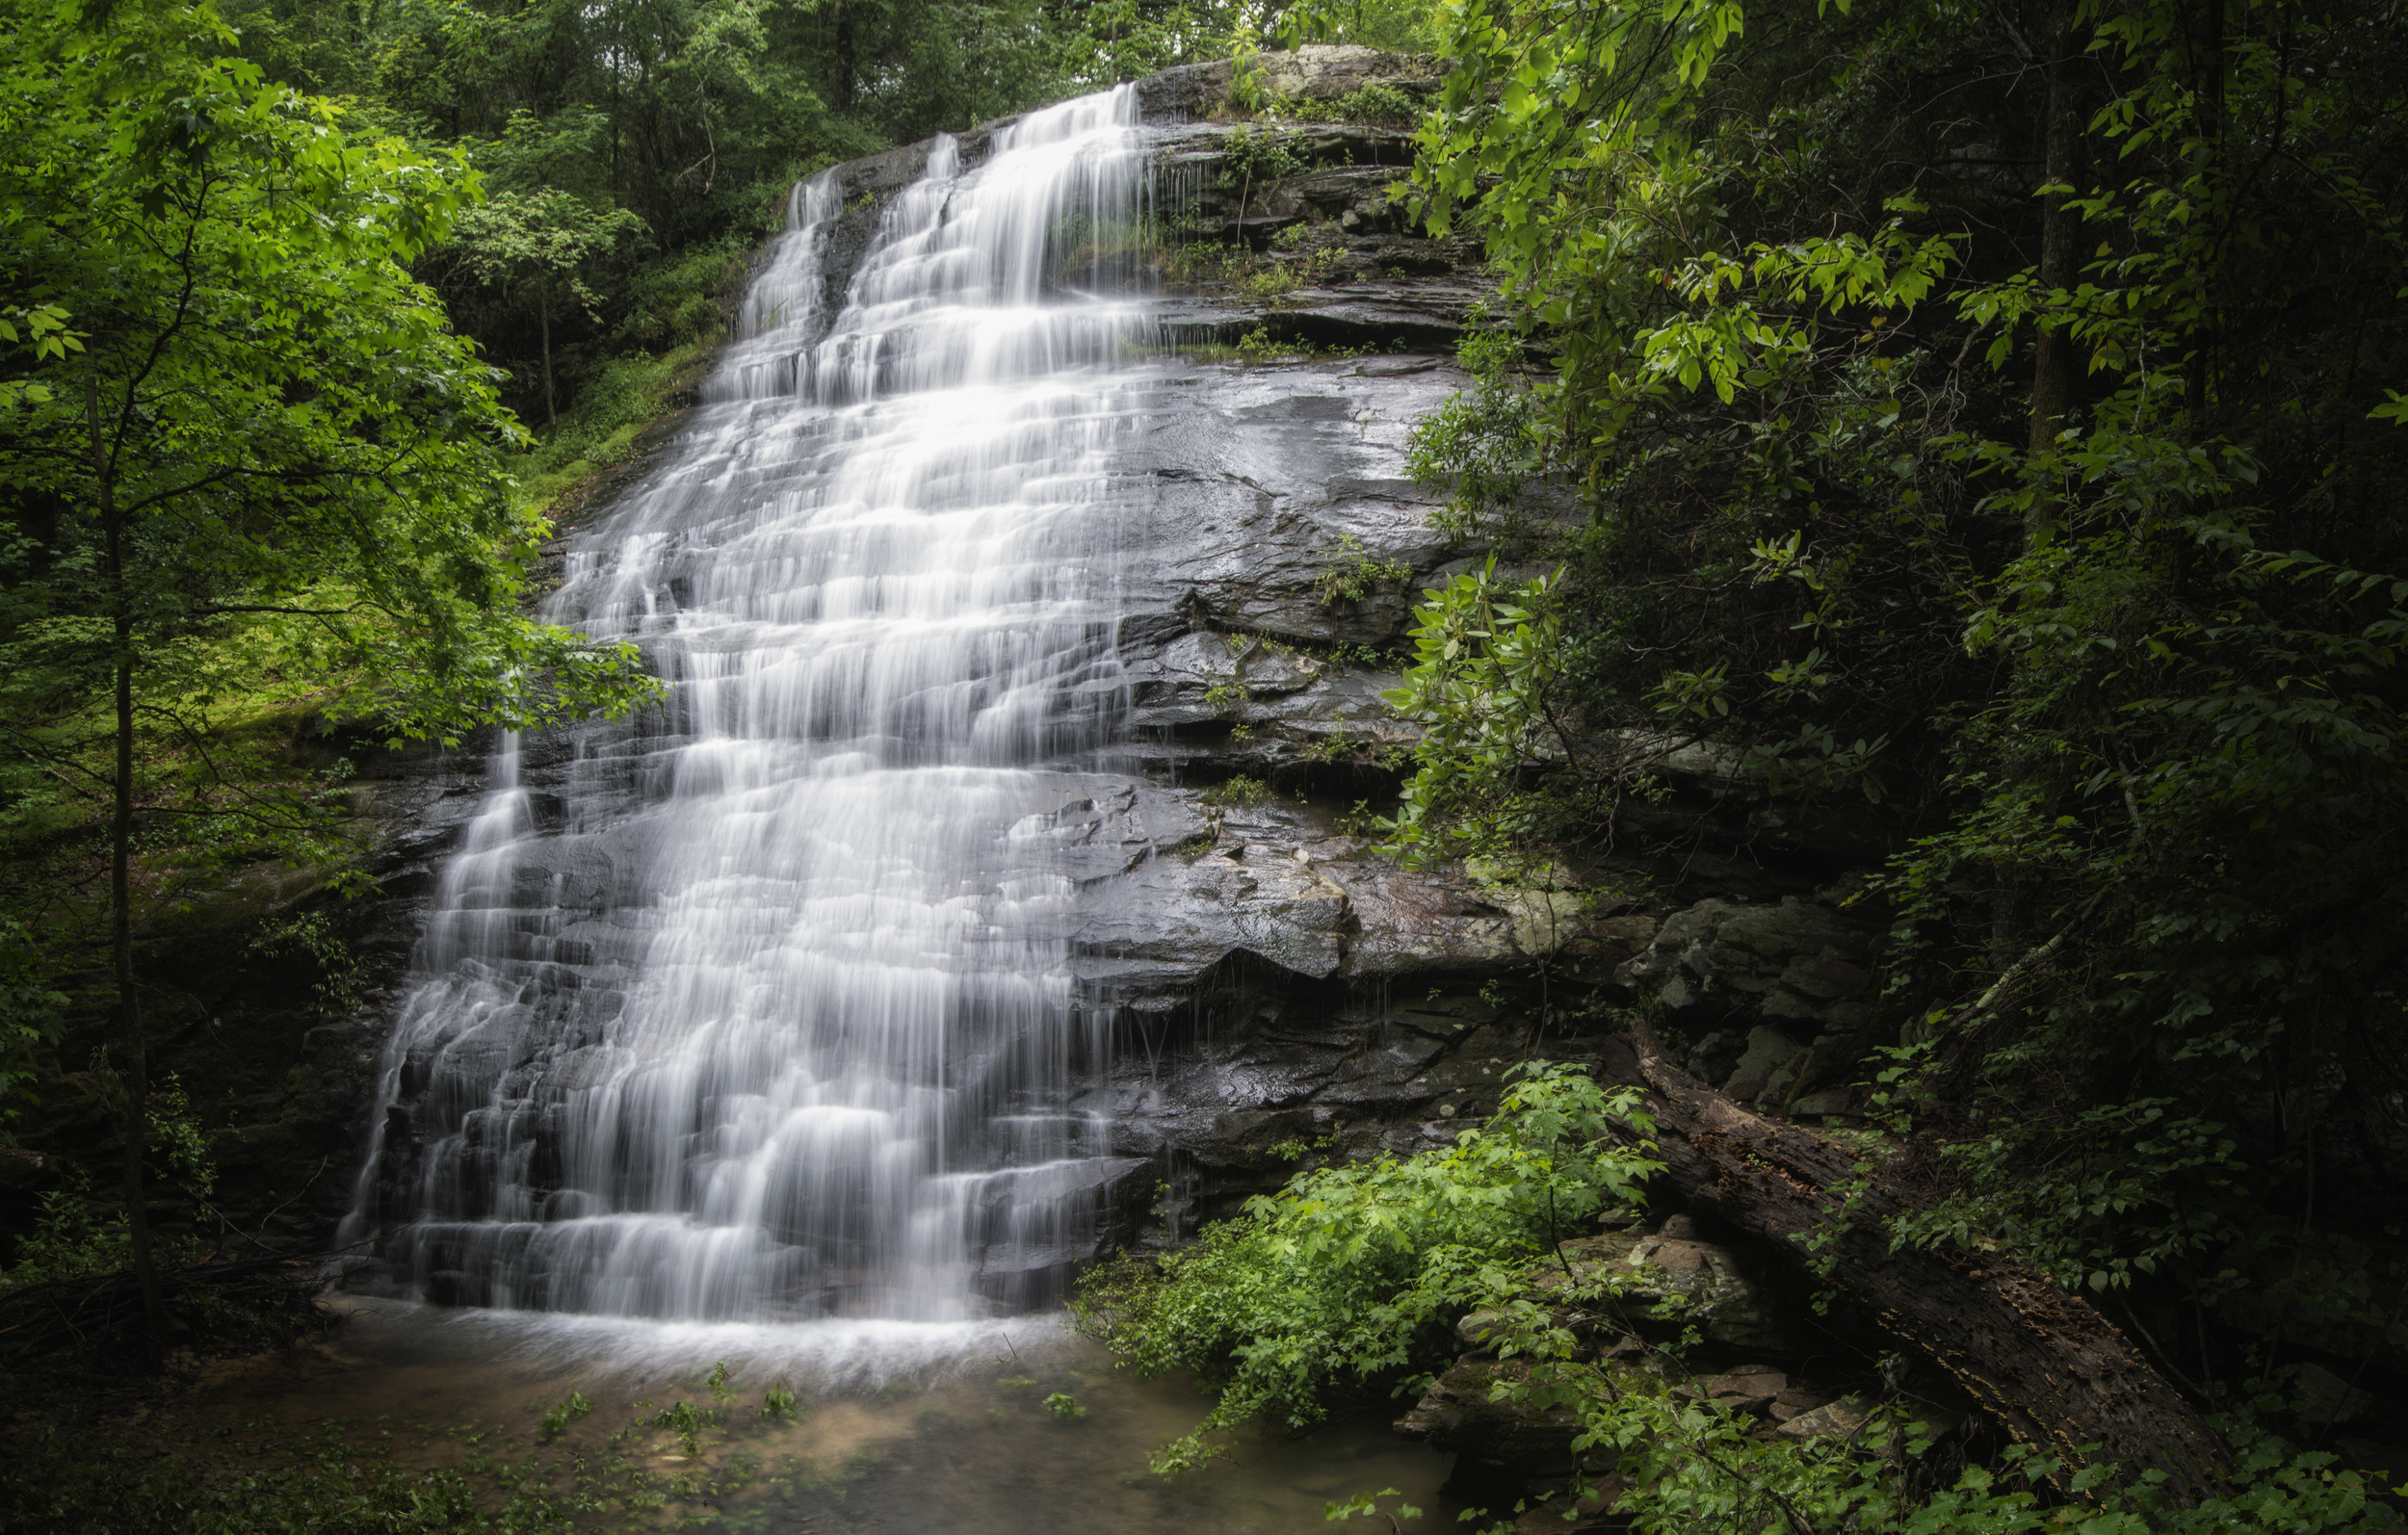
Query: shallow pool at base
point(972, 1428)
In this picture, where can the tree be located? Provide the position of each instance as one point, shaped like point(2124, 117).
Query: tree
point(1987, 412)
point(269, 437)
point(540, 243)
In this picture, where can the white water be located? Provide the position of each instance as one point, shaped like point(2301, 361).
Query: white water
point(769, 1013)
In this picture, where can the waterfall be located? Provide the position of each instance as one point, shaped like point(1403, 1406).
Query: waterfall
point(767, 1010)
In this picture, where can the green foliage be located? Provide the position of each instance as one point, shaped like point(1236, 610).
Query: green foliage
point(303, 450)
point(540, 247)
point(778, 1403)
point(1351, 1275)
point(29, 1017)
point(1487, 655)
point(1257, 157)
point(40, 331)
point(684, 1420)
point(1682, 1465)
point(73, 1234)
point(72, 1238)
point(336, 990)
point(561, 1414)
point(1488, 446)
point(1691, 1467)
point(1063, 1407)
point(1409, 26)
point(1366, 1504)
point(1373, 103)
point(1236, 792)
point(1351, 574)
point(1850, 497)
point(1258, 346)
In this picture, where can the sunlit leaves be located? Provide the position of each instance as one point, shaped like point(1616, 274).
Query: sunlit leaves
point(1352, 1272)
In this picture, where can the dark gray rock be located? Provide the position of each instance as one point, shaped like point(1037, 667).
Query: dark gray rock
point(1460, 1414)
point(1775, 994)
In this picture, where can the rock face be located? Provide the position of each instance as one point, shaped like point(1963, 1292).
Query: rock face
point(1773, 996)
point(1462, 1414)
point(1665, 1282)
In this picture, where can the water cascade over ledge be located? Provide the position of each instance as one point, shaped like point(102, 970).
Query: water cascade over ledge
point(771, 1015)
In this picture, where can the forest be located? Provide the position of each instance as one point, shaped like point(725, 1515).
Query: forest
point(1969, 420)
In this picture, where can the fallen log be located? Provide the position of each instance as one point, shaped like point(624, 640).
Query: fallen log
point(2051, 1370)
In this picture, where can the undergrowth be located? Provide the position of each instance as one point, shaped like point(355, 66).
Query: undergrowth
point(1351, 1277)
point(1354, 1277)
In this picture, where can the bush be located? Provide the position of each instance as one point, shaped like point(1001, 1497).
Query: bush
point(1354, 1275)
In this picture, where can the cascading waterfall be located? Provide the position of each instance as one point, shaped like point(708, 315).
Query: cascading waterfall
point(768, 1011)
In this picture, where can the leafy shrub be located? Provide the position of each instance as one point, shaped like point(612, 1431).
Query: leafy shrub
point(1354, 1274)
point(1259, 346)
point(1352, 574)
point(1240, 792)
point(1383, 106)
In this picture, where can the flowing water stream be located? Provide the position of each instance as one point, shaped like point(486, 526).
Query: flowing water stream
point(755, 1040)
point(775, 1019)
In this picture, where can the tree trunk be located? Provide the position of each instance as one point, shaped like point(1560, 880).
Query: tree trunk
point(543, 318)
point(2042, 1361)
point(2055, 353)
point(120, 879)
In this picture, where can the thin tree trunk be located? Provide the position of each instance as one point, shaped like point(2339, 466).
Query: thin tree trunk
point(2055, 355)
point(2042, 1361)
point(120, 879)
point(543, 318)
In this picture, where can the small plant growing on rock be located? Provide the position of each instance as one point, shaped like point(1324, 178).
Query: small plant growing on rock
point(1259, 346)
point(777, 1404)
point(1352, 574)
point(721, 1391)
point(1240, 792)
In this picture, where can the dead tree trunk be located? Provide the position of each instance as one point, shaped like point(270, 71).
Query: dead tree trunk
point(2042, 1361)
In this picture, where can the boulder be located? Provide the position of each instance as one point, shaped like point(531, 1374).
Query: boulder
point(1744, 1390)
point(1767, 1066)
point(2326, 1397)
point(1832, 1419)
point(1774, 993)
point(1668, 1282)
point(1678, 1283)
point(1460, 1414)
